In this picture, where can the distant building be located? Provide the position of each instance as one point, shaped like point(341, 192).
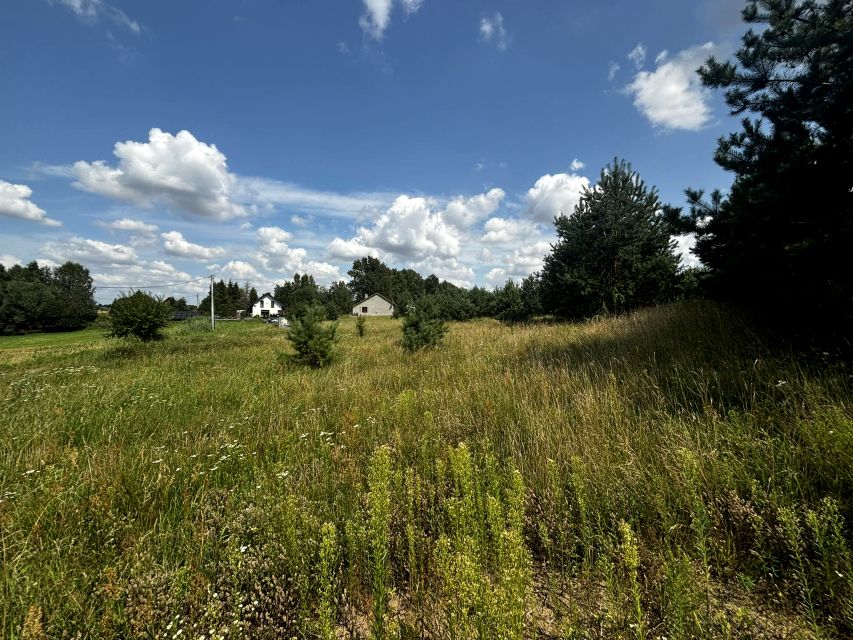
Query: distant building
point(266, 307)
point(375, 305)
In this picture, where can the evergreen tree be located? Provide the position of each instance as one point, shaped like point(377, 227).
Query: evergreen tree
point(482, 301)
point(423, 326)
point(340, 297)
point(251, 299)
point(314, 342)
point(297, 295)
point(531, 294)
point(509, 304)
point(779, 241)
point(614, 254)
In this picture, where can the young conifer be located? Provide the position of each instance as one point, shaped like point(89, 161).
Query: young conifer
point(423, 327)
point(314, 342)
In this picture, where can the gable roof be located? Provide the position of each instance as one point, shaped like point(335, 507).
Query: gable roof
point(267, 295)
point(375, 295)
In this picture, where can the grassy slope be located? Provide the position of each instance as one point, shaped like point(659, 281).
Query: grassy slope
point(33, 341)
point(186, 483)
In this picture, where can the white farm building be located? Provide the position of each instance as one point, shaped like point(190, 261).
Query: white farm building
point(266, 307)
point(375, 305)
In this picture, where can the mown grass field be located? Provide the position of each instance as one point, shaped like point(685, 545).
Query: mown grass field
point(666, 474)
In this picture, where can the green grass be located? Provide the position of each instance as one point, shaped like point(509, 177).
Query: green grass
point(31, 341)
point(665, 473)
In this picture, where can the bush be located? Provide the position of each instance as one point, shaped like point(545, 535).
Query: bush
point(138, 315)
point(360, 325)
point(313, 342)
point(423, 327)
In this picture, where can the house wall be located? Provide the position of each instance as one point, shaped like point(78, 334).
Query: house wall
point(376, 306)
point(273, 307)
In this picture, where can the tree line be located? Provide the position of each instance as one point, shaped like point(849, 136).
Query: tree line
point(42, 298)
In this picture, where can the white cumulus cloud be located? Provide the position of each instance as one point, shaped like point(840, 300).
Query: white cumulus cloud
point(672, 96)
point(275, 254)
point(463, 212)
point(240, 270)
point(176, 170)
point(492, 30)
point(85, 250)
point(553, 195)
point(134, 226)
point(450, 269)
point(411, 229)
point(340, 249)
point(507, 230)
point(15, 203)
point(684, 243)
point(175, 244)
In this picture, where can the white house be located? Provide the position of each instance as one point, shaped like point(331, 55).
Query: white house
point(375, 305)
point(266, 306)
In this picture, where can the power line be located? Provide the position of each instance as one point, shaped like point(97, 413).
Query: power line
point(149, 286)
point(119, 286)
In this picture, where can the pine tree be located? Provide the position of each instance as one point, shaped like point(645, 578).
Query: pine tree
point(779, 241)
point(423, 326)
point(314, 342)
point(614, 254)
point(510, 304)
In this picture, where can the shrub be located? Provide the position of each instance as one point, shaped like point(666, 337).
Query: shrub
point(360, 325)
point(138, 315)
point(423, 327)
point(313, 342)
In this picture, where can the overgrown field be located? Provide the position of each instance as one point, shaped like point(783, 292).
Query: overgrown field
point(669, 473)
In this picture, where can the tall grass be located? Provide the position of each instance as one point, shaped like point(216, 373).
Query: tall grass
point(672, 472)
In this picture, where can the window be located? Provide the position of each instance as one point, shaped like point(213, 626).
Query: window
point(364, 309)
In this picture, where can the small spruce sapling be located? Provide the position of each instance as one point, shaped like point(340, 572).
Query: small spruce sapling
point(314, 342)
point(360, 325)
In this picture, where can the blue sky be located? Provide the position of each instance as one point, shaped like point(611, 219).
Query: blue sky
point(156, 141)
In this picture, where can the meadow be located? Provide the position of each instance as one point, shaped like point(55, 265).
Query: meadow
point(672, 473)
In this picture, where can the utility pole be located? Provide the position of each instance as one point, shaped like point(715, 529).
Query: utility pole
point(212, 317)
